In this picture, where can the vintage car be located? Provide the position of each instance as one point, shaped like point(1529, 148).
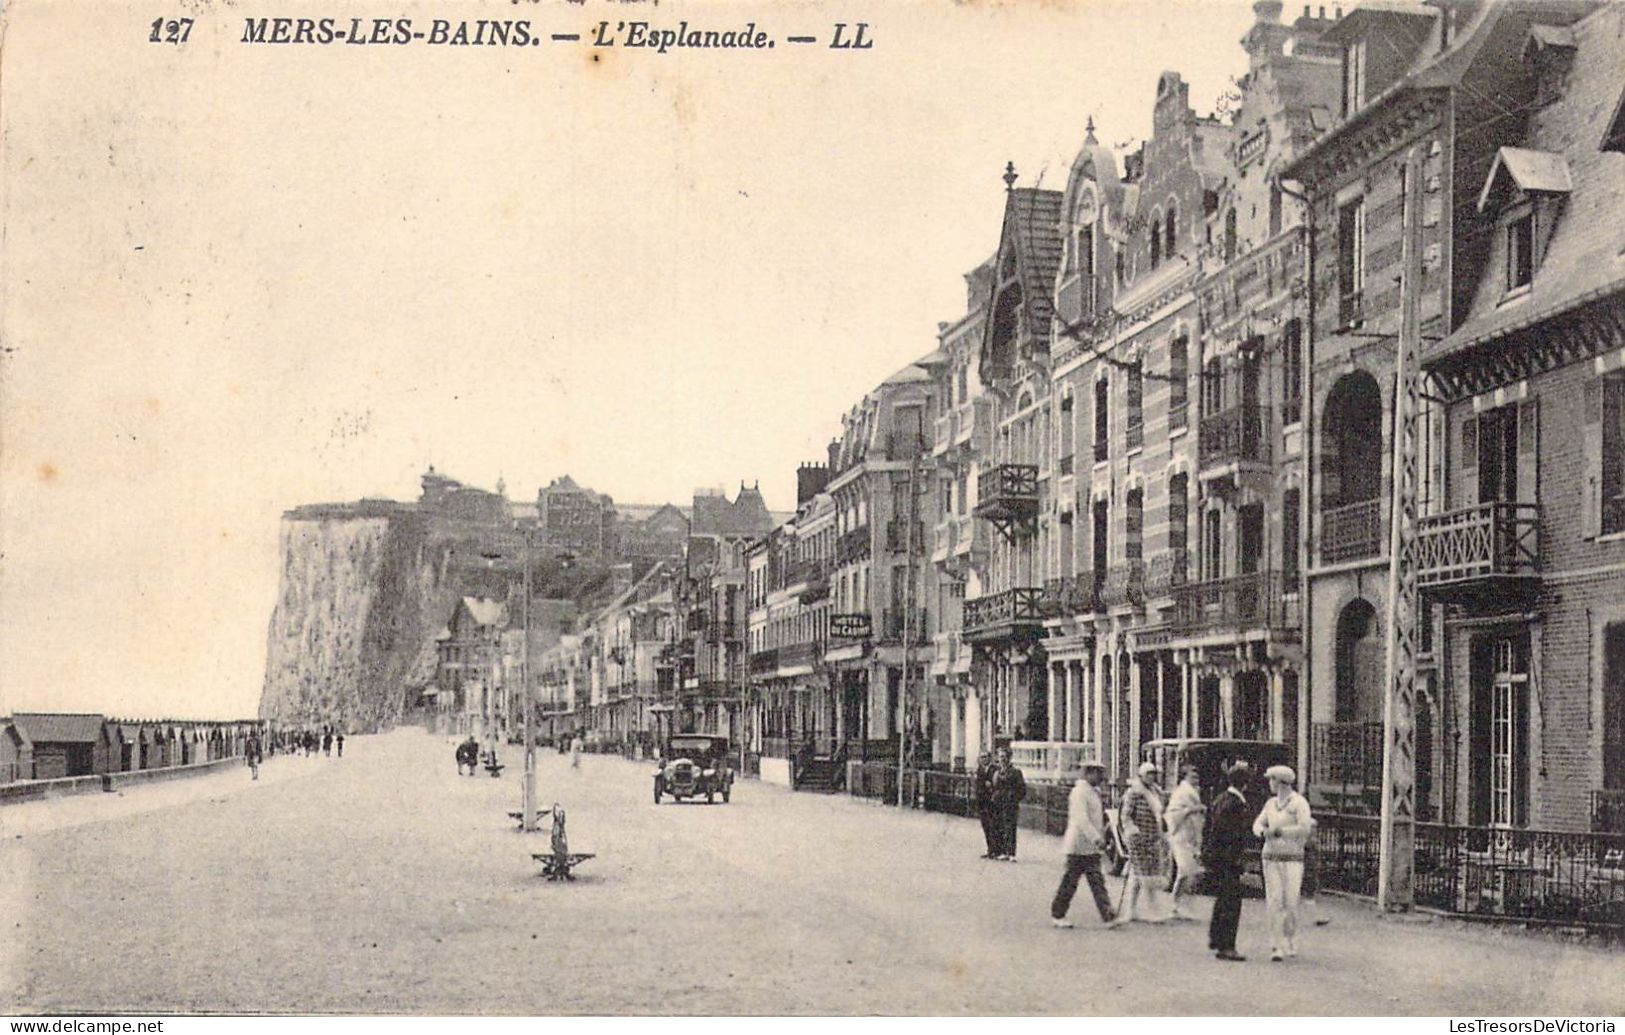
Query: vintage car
point(694, 765)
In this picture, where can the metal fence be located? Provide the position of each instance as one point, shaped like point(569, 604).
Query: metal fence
point(1540, 876)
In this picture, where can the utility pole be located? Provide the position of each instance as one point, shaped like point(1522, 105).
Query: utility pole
point(909, 606)
point(527, 802)
point(1396, 858)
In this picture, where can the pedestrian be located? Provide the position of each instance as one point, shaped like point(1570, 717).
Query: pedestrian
point(1085, 836)
point(1141, 817)
point(1007, 788)
point(983, 790)
point(327, 743)
point(339, 740)
point(575, 752)
point(1185, 817)
point(1229, 835)
point(1285, 824)
point(251, 754)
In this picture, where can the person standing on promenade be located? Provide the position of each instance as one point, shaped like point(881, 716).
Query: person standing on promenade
point(1185, 817)
point(575, 752)
point(1008, 788)
point(327, 741)
point(1285, 824)
point(1141, 818)
point(983, 792)
point(1228, 838)
point(339, 740)
point(1085, 836)
point(251, 754)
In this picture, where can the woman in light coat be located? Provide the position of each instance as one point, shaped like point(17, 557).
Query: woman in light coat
point(1141, 819)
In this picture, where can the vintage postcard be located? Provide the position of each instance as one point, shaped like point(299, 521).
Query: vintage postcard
point(812, 508)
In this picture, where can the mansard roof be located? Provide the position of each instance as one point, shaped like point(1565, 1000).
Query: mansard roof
point(1582, 260)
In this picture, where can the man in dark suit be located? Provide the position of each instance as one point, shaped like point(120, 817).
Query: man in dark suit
point(1008, 787)
point(1230, 833)
point(984, 805)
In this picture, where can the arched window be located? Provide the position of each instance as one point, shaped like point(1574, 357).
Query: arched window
point(1229, 235)
point(1156, 239)
point(1351, 469)
point(1357, 695)
point(1170, 233)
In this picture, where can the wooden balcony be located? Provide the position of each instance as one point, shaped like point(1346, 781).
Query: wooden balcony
point(1238, 435)
point(1238, 604)
point(1125, 584)
point(853, 545)
point(1350, 532)
point(1007, 496)
point(1015, 614)
point(1483, 556)
point(1071, 595)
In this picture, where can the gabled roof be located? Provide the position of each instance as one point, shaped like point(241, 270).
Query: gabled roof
point(59, 728)
point(485, 611)
point(1535, 172)
point(1032, 226)
point(1582, 261)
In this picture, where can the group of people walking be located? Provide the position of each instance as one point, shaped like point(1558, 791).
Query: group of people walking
point(309, 741)
point(1196, 838)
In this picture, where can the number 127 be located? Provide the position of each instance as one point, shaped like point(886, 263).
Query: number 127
point(175, 31)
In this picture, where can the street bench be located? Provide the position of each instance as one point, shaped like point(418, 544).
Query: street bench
point(557, 867)
point(519, 817)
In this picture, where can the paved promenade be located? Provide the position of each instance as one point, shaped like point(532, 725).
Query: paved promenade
point(383, 882)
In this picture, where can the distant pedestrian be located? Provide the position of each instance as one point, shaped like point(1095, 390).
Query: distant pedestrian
point(1229, 835)
point(1007, 788)
point(339, 740)
point(251, 755)
point(1184, 818)
point(982, 789)
point(1285, 824)
point(1141, 818)
point(575, 752)
point(1085, 837)
point(327, 743)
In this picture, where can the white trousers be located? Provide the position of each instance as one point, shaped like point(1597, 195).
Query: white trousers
point(1283, 880)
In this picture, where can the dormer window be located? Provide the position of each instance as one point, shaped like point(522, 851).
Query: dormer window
point(1520, 251)
point(1353, 77)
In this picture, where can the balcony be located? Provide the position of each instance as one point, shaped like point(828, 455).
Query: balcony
point(896, 623)
point(1007, 495)
point(851, 626)
point(1238, 604)
point(1070, 595)
point(764, 662)
point(1125, 584)
point(1235, 436)
point(1350, 532)
point(1134, 436)
point(905, 536)
point(1165, 572)
point(905, 445)
point(1178, 415)
point(942, 434)
point(853, 545)
point(1015, 614)
point(1480, 556)
point(800, 655)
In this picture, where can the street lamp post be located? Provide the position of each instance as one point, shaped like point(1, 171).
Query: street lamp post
point(527, 804)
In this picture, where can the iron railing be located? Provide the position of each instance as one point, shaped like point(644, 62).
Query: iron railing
point(1478, 541)
point(799, 654)
point(1534, 876)
point(1235, 435)
point(803, 569)
point(1346, 764)
point(1256, 601)
point(764, 662)
point(1134, 435)
point(1011, 607)
point(1351, 531)
point(1125, 584)
point(1007, 483)
point(1178, 415)
point(853, 545)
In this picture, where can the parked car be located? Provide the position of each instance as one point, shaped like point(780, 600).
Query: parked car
point(694, 765)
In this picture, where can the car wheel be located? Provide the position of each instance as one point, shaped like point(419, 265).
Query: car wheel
point(657, 794)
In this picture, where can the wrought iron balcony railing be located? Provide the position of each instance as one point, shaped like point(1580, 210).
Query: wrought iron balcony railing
point(1004, 611)
point(1240, 603)
point(1134, 435)
point(764, 662)
point(1236, 435)
point(803, 569)
point(1125, 584)
point(1010, 489)
point(1486, 541)
point(1350, 532)
point(853, 545)
point(1178, 415)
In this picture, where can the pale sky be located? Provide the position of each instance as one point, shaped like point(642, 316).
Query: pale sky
point(237, 278)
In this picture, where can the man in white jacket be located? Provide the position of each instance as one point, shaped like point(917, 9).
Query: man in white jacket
point(1085, 835)
point(1184, 817)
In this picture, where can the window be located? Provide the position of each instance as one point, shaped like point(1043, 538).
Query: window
point(1350, 260)
point(1353, 77)
point(1102, 449)
point(1156, 239)
point(1520, 252)
point(1136, 399)
point(1178, 382)
point(1275, 208)
point(1134, 524)
point(1212, 388)
point(1086, 267)
point(1170, 232)
point(1121, 272)
point(1605, 452)
point(1212, 546)
point(1290, 531)
point(1292, 373)
point(1177, 502)
point(1229, 235)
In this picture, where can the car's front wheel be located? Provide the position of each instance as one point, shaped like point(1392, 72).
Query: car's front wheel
point(657, 794)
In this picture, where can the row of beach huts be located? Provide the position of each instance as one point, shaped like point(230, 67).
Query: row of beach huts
point(40, 746)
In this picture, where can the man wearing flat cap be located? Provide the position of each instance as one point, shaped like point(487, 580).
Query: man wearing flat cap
point(1285, 825)
point(1085, 836)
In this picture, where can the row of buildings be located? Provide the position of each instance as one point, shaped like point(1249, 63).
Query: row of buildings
point(1141, 487)
point(53, 745)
